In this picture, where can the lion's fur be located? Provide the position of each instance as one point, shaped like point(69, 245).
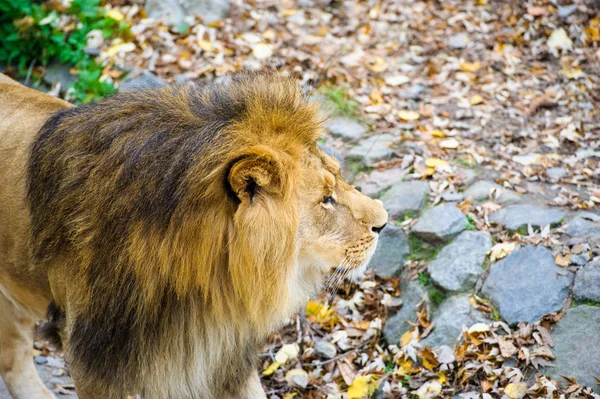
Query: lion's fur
point(170, 225)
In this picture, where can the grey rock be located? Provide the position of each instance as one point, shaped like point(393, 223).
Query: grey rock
point(587, 282)
point(374, 148)
point(405, 197)
point(392, 251)
point(347, 129)
point(580, 259)
point(526, 285)
point(325, 349)
point(514, 216)
point(459, 40)
point(374, 183)
point(440, 223)
point(413, 92)
point(452, 196)
point(459, 264)
point(480, 192)
point(577, 346)
point(585, 224)
point(141, 79)
point(174, 12)
point(450, 317)
point(56, 72)
point(412, 293)
point(565, 11)
point(555, 174)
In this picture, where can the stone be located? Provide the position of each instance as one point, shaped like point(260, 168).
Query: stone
point(440, 224)
point(585, 224)
point(450, 317)
point(373, 149)
point(480, 192)
point(514, 216)
point(565, 11)
point(325, 349)
point(174, 12)
point(374, 183)
point(527, 284)
point(412, 292)
point(141, 79)
point(346, 128)
point(413, 92)
point(407, 197)
point(459, 40)
point(555, 174)
point(460, 263)
point(56, 72)
point(577, 346)
point(452, 196)
point(392, 250)
point(587, 282)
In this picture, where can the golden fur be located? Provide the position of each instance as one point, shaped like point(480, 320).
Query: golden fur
point(175, 228)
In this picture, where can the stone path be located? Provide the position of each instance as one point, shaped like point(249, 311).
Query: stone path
point(523, 285)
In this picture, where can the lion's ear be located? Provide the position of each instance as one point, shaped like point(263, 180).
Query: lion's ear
point(258, 170)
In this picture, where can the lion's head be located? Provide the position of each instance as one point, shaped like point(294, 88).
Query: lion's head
point(211, 203)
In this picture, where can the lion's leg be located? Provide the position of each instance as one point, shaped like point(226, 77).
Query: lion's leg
point(16, 353)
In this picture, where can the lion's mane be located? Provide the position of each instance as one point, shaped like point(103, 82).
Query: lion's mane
point(148, 250)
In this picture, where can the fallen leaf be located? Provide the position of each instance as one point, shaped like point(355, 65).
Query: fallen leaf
point(563, 260)
point(501, 250)
point(429, 390)
point(359, 388)
point(559, 40)
point(469, 66)
point(396, 80)
point(409, 115)
point(476, 100)
point(516, 390)
point(288, 351)
point(380, 65)
point(262, 51)
point(450, 143)
point(297, 378)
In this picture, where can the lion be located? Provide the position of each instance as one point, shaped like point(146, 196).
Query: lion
point(167, 232)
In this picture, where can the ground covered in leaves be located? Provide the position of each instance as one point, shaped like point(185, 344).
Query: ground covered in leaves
point(488, 108)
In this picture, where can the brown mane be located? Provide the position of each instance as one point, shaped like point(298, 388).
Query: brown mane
point(136, 200)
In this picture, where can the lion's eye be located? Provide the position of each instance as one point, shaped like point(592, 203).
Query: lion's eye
point(328, 200)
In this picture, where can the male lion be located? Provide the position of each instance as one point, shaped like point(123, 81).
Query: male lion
point(168, 232)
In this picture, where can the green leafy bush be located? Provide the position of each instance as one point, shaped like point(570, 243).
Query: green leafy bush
point(33, 32)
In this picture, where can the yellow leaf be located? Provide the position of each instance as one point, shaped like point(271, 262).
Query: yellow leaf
point(451, 144)
point(406, 338)
point(396, 80)
point(479, 328)
point(361, 387)
point(205, 45)
point(499, 251)
point(469, 66)
point(288, 351)
point(436, 162)
point(443, 379)
point(438, 133)
point(380, 65)
point(516, 390)
point(290, 395)
point(408, 115)
point(563, 260)
point(429, 390)
point(262, 51)
point(115, 14)
point(271, 369)
point(476, 100)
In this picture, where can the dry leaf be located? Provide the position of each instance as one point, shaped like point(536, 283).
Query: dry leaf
point(516, 390)
point(450, 143)
point(409, 115)
point(501, 250)
point(476, 99)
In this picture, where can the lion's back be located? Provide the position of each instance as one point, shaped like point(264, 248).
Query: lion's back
point(22, 112)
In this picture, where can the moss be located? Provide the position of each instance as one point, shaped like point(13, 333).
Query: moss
point(465, 162)
point(586, 302)
point(421, 250)
point(470, 223)
point(339, 99)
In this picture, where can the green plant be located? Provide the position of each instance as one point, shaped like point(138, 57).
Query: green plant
point(421, 250)
point(470, 223)
point(338, 97)
point(34, 33)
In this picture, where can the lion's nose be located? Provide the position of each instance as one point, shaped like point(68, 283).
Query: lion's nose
point(378, 229)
